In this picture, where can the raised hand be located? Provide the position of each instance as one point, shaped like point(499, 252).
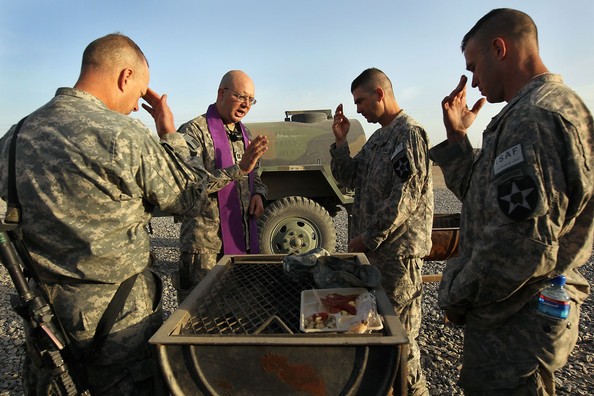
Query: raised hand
point(457, 117)
point(158, 108)
point(340, 126)
point(252, 154)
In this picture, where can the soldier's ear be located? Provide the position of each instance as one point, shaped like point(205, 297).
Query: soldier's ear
point(220, 93)
point(499, 46)
point(380, 94)
point(124, 78)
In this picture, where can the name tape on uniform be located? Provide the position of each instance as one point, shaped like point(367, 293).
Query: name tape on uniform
point(508, 158)
point(397, 150)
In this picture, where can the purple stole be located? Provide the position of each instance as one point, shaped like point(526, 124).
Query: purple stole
point(231, 219)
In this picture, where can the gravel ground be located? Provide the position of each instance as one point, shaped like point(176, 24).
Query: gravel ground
point(441, 345)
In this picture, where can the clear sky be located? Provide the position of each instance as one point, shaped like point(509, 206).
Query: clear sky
point(301, 54)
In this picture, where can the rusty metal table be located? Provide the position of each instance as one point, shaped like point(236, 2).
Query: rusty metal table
point(237, 333)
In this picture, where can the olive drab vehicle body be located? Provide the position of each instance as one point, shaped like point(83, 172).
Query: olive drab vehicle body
point(303, 196)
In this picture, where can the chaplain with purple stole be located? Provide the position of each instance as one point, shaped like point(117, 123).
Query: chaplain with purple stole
point(227, 224)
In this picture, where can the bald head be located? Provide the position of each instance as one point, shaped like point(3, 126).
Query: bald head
point(235, 77)
point(507, 23)
point(235, 96)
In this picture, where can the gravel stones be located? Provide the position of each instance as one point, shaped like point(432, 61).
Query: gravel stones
point(441, 344)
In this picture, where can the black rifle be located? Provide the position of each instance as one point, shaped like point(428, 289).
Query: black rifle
point(47, 337)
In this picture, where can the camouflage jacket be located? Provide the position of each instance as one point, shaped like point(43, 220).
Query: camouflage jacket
point(391, 175)
point(527, 212)
point(201, 234)
point(87, 178)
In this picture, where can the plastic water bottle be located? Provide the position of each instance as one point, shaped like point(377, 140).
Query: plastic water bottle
point(553, 300)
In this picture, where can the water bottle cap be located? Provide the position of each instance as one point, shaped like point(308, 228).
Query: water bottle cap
point(559, 280)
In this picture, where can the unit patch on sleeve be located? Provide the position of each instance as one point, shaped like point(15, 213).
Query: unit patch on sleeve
point(402, 167)
point(517, 197)
point(400, 162)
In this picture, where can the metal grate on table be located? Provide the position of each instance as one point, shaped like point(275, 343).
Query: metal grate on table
point(249, 299)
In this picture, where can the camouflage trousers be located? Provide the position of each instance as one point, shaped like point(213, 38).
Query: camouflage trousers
point(125, 364)
point(520, 356)
point(539, 383)
point(192, 268)
point(38, 382)
point(403, 283)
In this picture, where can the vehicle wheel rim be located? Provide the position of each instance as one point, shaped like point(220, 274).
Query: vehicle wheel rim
point(295, 236)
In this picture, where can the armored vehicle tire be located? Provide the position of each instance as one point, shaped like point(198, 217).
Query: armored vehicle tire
point(295, 225)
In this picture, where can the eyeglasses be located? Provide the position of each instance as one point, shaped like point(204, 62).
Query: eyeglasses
point(242, 98)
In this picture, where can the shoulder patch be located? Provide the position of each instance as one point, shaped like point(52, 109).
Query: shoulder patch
point(191, 142)
point(517, 197)
point(402, 167)
point(508, 158)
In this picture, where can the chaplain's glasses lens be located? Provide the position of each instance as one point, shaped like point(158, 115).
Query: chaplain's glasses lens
point(242, 98)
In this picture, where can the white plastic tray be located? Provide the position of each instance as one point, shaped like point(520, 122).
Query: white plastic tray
point(310, 305)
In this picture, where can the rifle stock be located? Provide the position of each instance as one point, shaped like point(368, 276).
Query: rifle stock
point(46, 335)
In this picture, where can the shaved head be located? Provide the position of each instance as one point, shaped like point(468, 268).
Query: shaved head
point(112, 52)
point(372, 78)
point(234, 96)
point(503, 22)
point(233, 77)
point(114, 70)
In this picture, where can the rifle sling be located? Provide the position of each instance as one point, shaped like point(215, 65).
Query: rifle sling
point(13, 215)
point(13, 211)
point(110, 314)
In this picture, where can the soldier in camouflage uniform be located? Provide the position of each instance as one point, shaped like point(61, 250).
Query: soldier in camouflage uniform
point(87, 178)
point(205, 238)
point(527, 213)
point(393, 207)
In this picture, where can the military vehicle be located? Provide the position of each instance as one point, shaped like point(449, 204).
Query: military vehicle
point(303, 196)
